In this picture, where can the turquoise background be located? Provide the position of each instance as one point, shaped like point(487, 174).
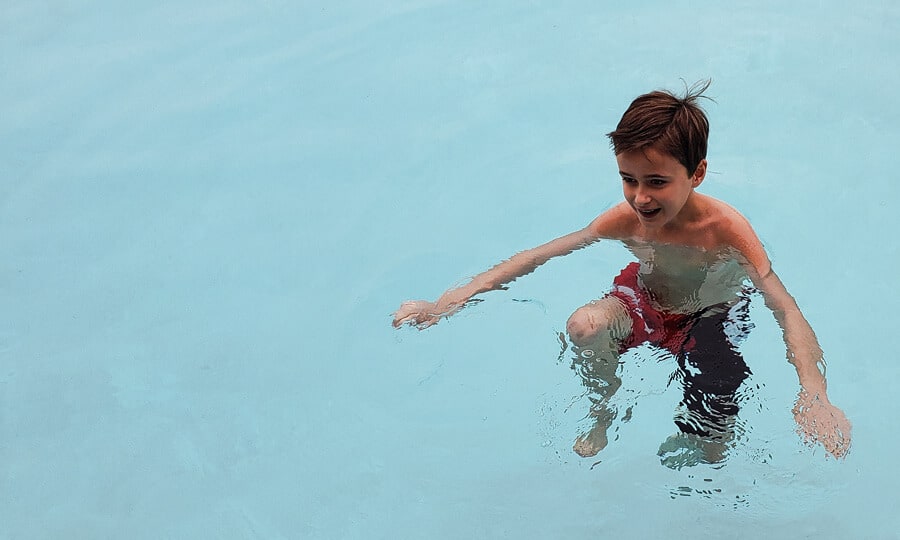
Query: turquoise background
point(209, 210)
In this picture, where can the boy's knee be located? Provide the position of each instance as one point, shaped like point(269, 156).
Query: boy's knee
point(583, 326)
point(604, 318)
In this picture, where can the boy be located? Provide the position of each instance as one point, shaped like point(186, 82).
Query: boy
point(686, 293)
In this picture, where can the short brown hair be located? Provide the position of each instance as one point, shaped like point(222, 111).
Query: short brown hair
point(675, 125)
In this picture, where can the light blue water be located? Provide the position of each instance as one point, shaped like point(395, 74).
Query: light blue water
point(209, 211)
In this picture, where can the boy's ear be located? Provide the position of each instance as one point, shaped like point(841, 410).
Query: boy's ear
point(699, 174)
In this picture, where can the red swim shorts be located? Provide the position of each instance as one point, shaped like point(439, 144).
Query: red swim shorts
point(671, 331)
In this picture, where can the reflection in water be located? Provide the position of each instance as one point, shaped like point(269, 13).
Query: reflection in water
point(707, 490)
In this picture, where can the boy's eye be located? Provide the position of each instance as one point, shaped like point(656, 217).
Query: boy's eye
point(657, 182)
point(628, 180)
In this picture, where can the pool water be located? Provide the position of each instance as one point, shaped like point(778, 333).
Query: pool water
point(209, 211)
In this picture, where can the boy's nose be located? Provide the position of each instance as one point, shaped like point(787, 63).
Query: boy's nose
point(641, 197)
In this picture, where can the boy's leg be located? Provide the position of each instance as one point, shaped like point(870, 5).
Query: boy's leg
point(605, 322)
point(711, 372)
point(597, 330)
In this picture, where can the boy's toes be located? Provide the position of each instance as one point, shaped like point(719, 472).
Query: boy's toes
point(587, 446)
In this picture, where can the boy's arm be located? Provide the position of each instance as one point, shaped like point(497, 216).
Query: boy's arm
point(803, 350)
point(817, 419)
point(423, 314)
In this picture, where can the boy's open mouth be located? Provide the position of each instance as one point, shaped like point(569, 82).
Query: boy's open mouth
point(649, 213)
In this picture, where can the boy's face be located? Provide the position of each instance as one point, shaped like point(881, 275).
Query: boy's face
point(657, 186)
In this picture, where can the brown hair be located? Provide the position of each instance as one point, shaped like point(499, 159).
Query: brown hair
point(675, 125)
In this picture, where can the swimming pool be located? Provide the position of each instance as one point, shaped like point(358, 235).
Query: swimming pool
point(210, 211)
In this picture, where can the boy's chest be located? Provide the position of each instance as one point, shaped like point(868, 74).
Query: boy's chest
point(672, 259)
point(680, 275)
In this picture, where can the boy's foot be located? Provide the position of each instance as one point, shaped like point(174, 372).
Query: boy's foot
point(590, 443)
point(686, 450)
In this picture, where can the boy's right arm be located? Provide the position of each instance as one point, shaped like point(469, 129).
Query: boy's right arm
point(423, 314)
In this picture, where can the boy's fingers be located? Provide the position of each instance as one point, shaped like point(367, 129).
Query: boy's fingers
point(407, 319)
point(423, 324)
point(400, 318)
point(412, 312)
point(402, 315)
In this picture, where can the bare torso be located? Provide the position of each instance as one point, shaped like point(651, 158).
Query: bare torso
point(696, 264)
point(685, 279)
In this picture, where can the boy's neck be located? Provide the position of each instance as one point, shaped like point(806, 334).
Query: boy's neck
point(689, 227)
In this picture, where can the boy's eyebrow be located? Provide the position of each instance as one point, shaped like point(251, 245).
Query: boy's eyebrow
point(652, 175)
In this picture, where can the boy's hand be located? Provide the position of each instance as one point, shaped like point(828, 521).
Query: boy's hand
point(418, 313)
point(818, 421)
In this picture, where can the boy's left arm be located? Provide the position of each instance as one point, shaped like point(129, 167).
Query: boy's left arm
point(818, 421)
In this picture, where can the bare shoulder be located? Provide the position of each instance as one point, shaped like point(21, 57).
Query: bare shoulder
point(733, 230)
point(617, 223)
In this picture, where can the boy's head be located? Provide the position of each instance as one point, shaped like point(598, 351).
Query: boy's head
point(671, 124)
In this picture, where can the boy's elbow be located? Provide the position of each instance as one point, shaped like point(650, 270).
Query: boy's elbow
point(780, 307)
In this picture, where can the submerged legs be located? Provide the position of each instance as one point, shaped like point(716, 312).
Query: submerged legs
point(709, 366)
point(596, 330)
point(711, 373)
